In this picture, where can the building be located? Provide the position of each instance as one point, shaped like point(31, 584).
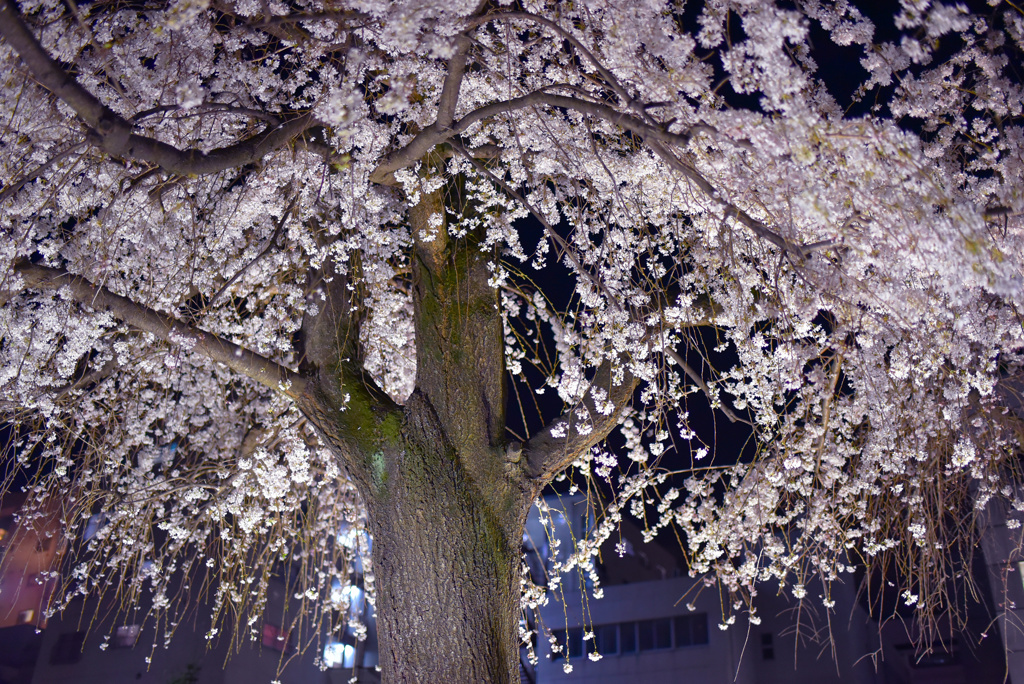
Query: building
point(95, 642)
point(657, 625)
point(89, 646)
point(31, 544)
point(1002, 539)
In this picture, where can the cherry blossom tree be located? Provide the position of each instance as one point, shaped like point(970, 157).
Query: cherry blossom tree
point(279, 277)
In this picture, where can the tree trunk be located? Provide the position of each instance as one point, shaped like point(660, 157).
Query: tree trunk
point(446, 557)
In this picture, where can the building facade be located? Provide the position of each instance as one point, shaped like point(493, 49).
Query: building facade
point(655, 624)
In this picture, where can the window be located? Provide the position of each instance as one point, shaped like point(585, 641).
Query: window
point(575, 642)
point(339, 655)
point(627, 630)
point(607, 639)
point(274, 637)
point(655, 634)
point(571, 641)
point(126, 635)
point(699, 625)
point(626, 638)
point(26, 617)
point(691, 630)
point(93, 526)
point(559, 635)
point(68, 648)
point(6, 527)
point(767, 647)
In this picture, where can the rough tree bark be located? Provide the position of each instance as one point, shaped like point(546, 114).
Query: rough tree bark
point(446, 558)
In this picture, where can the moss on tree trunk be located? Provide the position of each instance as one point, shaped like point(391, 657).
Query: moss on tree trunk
point(446, 562)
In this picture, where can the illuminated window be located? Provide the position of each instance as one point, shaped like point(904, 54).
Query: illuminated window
point(126, 636)
point(339, 655)
point(93, 526)
point(26, 617)
point(6, 527)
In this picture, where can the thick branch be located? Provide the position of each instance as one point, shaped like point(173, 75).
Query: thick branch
point(164, 327)
point(627, 122)
point(438, 133)
point(655, 136)
point(574, 432)
point(113, 134)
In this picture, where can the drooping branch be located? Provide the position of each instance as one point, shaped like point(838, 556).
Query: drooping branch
point(167, 328)
point(113, 134)
point(548, 229)
point(557, 239)
point(699, 382)
point(608, 76)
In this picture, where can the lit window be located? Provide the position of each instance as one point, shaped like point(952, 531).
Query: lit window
point(347, 595)
point(6, 527)
point(26, 617)
point(126, 636)
point(338, 655)
point(93, 526)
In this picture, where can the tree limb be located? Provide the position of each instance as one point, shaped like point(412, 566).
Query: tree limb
point(653, 135)
point(574, 432)
point(609, 78)
point(438, 133)
point(164, 327)
point(113, 134)
point(699, 382)
point(15, 187)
